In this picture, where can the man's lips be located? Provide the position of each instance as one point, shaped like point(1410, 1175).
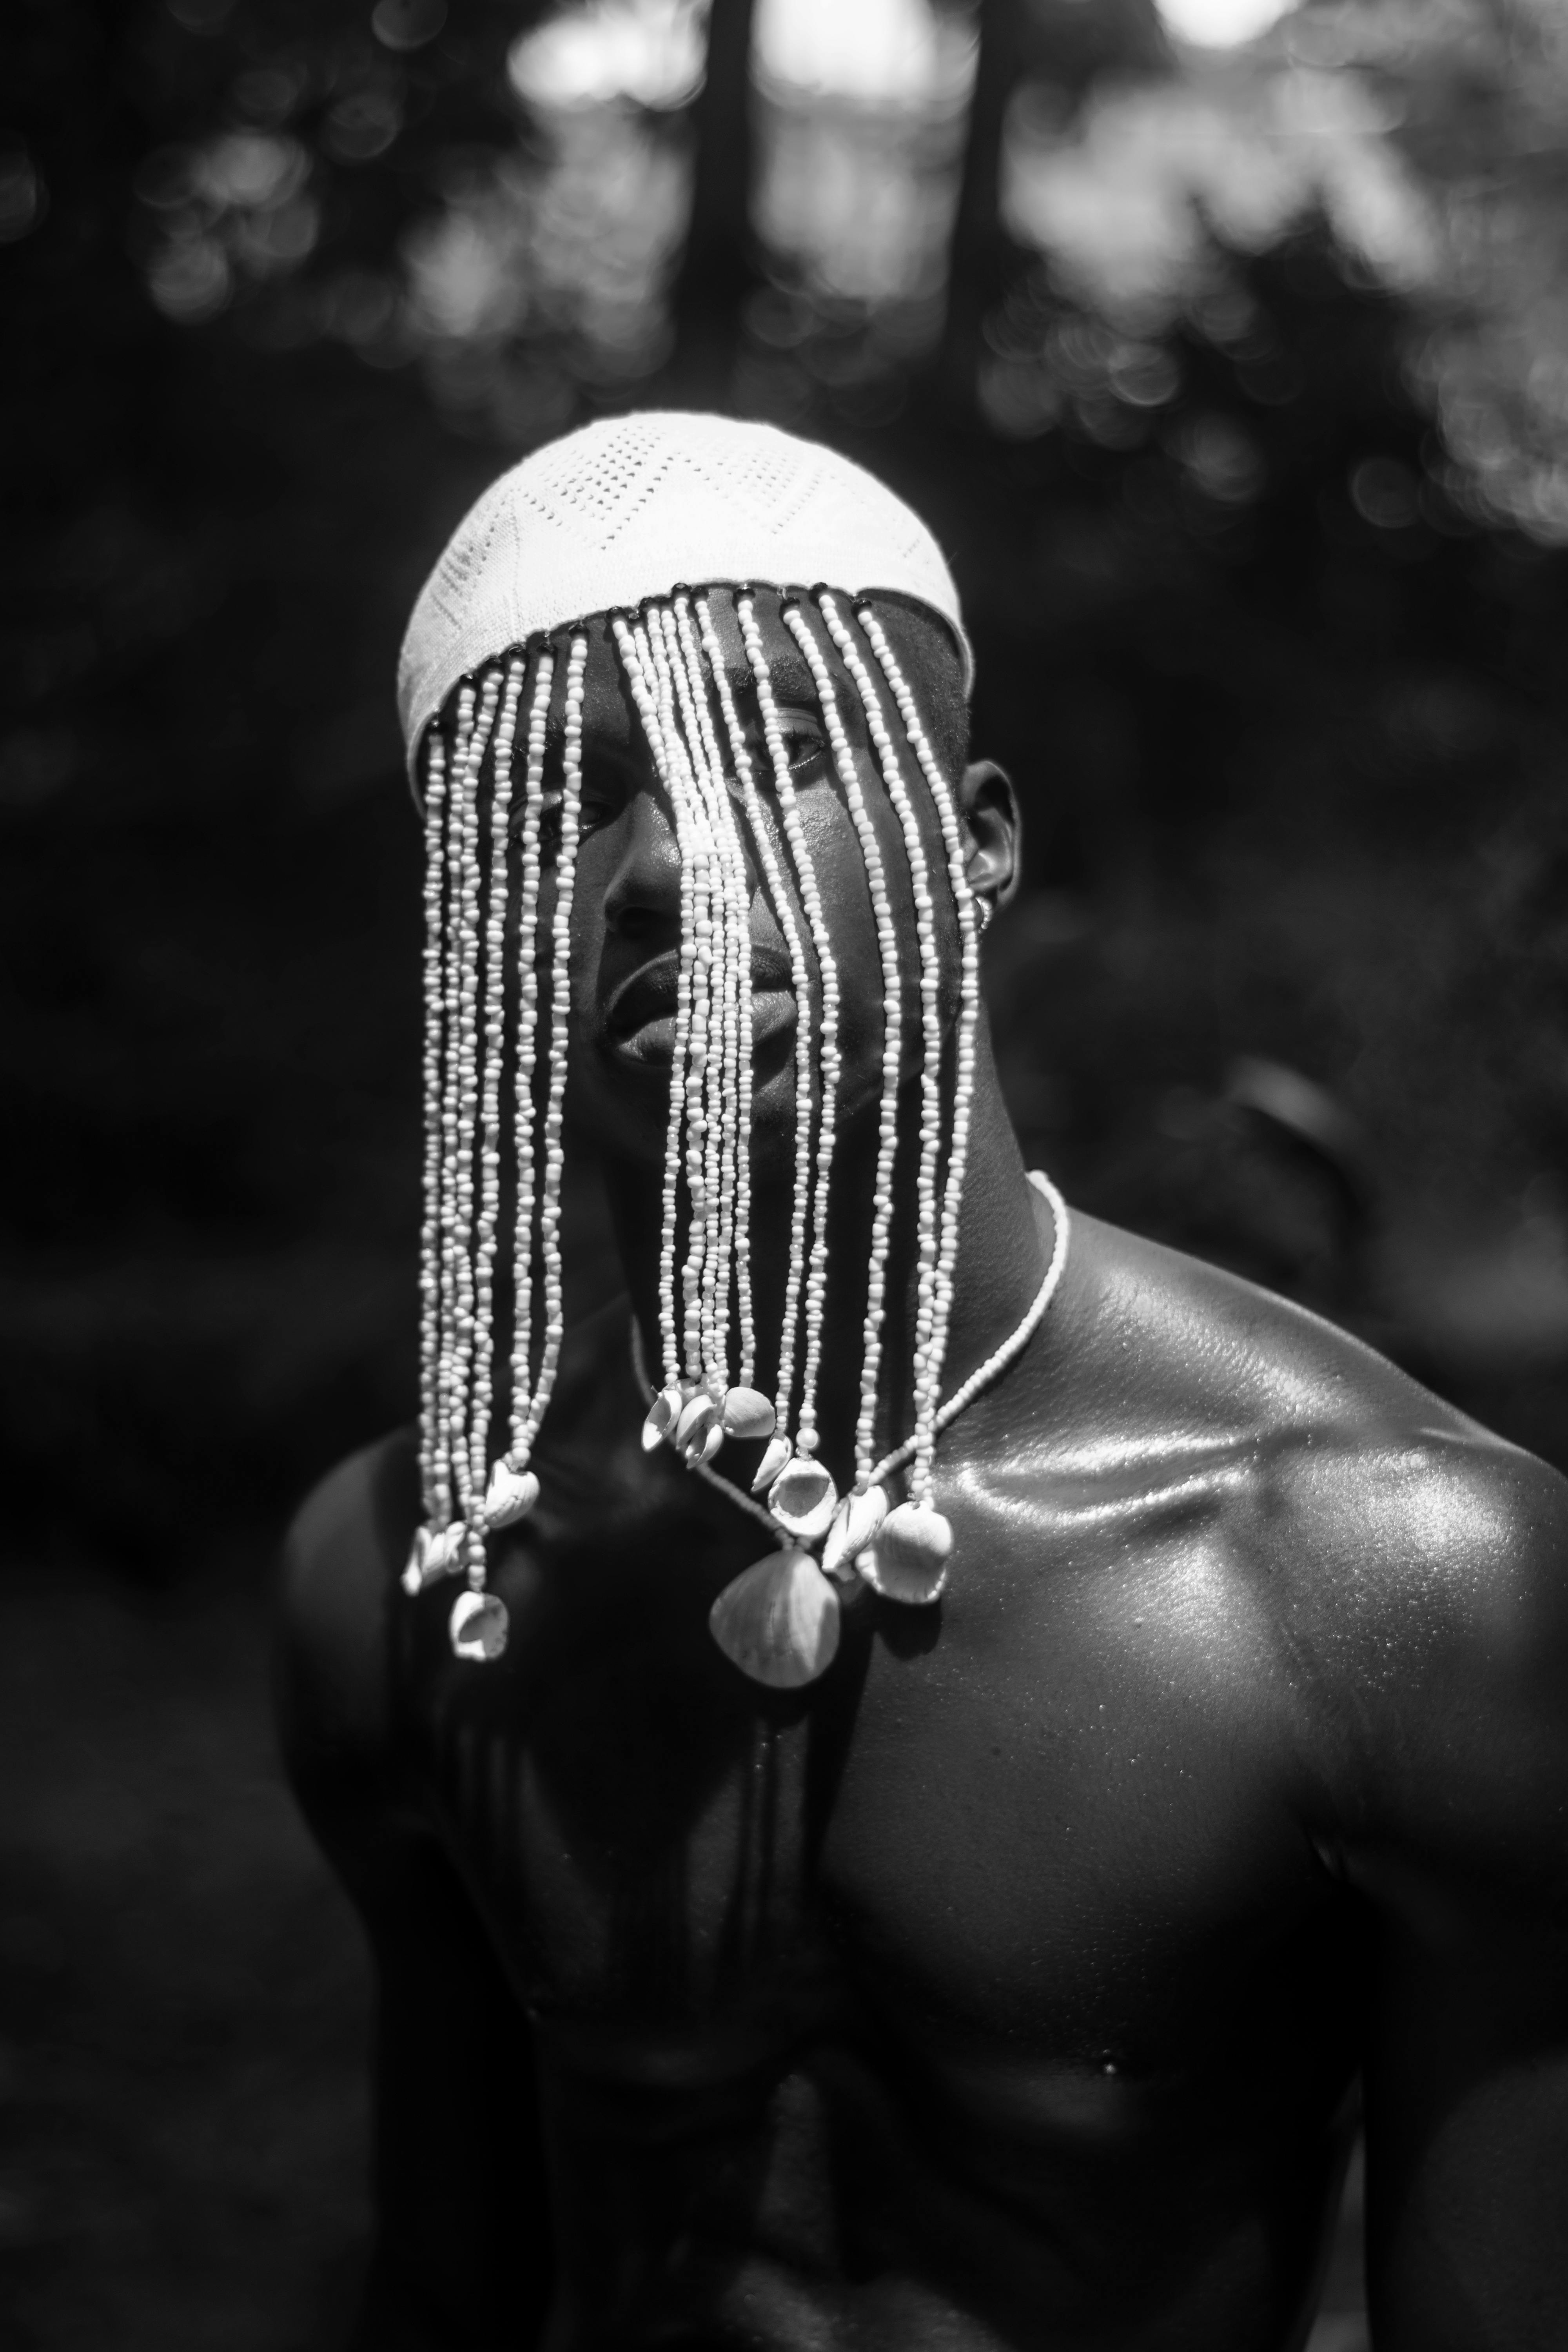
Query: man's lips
point(639, 1019)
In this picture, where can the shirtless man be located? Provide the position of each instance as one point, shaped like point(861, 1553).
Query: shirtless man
point(1014, 1976)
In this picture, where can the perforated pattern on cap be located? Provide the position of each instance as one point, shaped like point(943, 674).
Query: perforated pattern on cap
point(630, 506)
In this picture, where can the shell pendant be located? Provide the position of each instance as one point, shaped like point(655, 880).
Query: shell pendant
point(662, 1415)
point(908, 1557)
point(510, 1496)
point(803, 1498)
point(855, 1524)
point(437, 1552)
point(778, 1621)
point(775, 1454)
point(699, 1434)
point(747, 1413)
point(478, 1626)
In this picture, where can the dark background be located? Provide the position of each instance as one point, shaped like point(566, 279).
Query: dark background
point(1257, 520)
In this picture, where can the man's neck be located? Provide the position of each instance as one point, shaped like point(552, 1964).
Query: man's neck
point(998, 1269)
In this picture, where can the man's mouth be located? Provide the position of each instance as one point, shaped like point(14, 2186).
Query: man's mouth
point(639, 1019)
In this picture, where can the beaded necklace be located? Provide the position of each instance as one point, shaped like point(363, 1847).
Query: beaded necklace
point(767, 1607)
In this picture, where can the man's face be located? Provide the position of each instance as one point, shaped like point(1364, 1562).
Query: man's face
point(625, 922)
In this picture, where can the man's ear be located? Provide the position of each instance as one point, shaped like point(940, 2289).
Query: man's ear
point(989, 807)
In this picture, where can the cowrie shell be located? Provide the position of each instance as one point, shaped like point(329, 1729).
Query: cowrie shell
point(778, 1621)
point(478, 1626)
point(511, 1495)
point(699, 1420)
point(662, 1415)
point(747, 1413)
point(803, 1498)
point(437, 1552)
point(775, 1454)
point(908, 1561)
point(855, 1523)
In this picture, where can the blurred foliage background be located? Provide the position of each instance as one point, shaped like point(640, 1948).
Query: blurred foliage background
point(1225, 346)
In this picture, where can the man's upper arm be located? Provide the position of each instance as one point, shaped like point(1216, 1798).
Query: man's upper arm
point(1463, 1853)
point(462, 2255)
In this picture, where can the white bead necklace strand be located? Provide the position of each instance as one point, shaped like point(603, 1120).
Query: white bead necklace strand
point(719, 1092)
point(436, 1501)
point(735, 1237)
point(688, 1410)
point(469, 1406)
point(697, 1054)
point(892, 1044)
point(478, 1626)
point(444, 1550)
point(524, 1111)
point(667, 1405)
point(560, 1030)
point(492, 1023)
point(773, 1620)
point(912, 1547)
point(762, 1418)
point(807, 1114)
point(801, 1495)
point(475, 1631)
point(462, 1385)
point(860, 1519)
point(695, 1426)
point(852, 1514)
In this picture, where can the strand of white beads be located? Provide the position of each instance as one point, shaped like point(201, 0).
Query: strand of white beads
point(1013, 1346)
point(697, 1086)
point(719, 1096)
point(735, 1159)
point(684, 1411)
point(800, 981)
point(744, 1071)
point(450, 1237)
point(559, 1034)
point(524, 1112)
point(963, 1080)
point(464, 1402)
point(892, 1032)
point(492, 1024)
point(434, 1488)
point(803, 1496)
point(642, 689)
point(930, 983)
point(439, 1544)
point(779, 1449)
point(478, 1623)
point(809, 1271)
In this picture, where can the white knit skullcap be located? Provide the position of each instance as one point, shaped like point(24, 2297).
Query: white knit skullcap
point(632, 507)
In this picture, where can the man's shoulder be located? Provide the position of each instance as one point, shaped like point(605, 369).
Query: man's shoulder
point(1415, 1565)
point(342, 1557)
point(1187, 1339)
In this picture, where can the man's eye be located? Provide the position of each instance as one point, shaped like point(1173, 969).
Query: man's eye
point(600, 804)
point(803, 745)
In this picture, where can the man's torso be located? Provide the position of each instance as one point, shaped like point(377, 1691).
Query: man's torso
point(1002, 1987)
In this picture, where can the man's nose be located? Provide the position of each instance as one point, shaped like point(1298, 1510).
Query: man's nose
point(643, 901)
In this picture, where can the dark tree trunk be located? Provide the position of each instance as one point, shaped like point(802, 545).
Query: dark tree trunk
point(1069, 47)
point(719, 267)
point(981, 256)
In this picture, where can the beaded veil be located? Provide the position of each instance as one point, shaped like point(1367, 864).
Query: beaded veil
point(498, 892)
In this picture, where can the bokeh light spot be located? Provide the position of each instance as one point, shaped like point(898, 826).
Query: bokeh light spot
point(1221, 23)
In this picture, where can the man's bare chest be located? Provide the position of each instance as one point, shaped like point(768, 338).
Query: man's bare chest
point(1043, 1837)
